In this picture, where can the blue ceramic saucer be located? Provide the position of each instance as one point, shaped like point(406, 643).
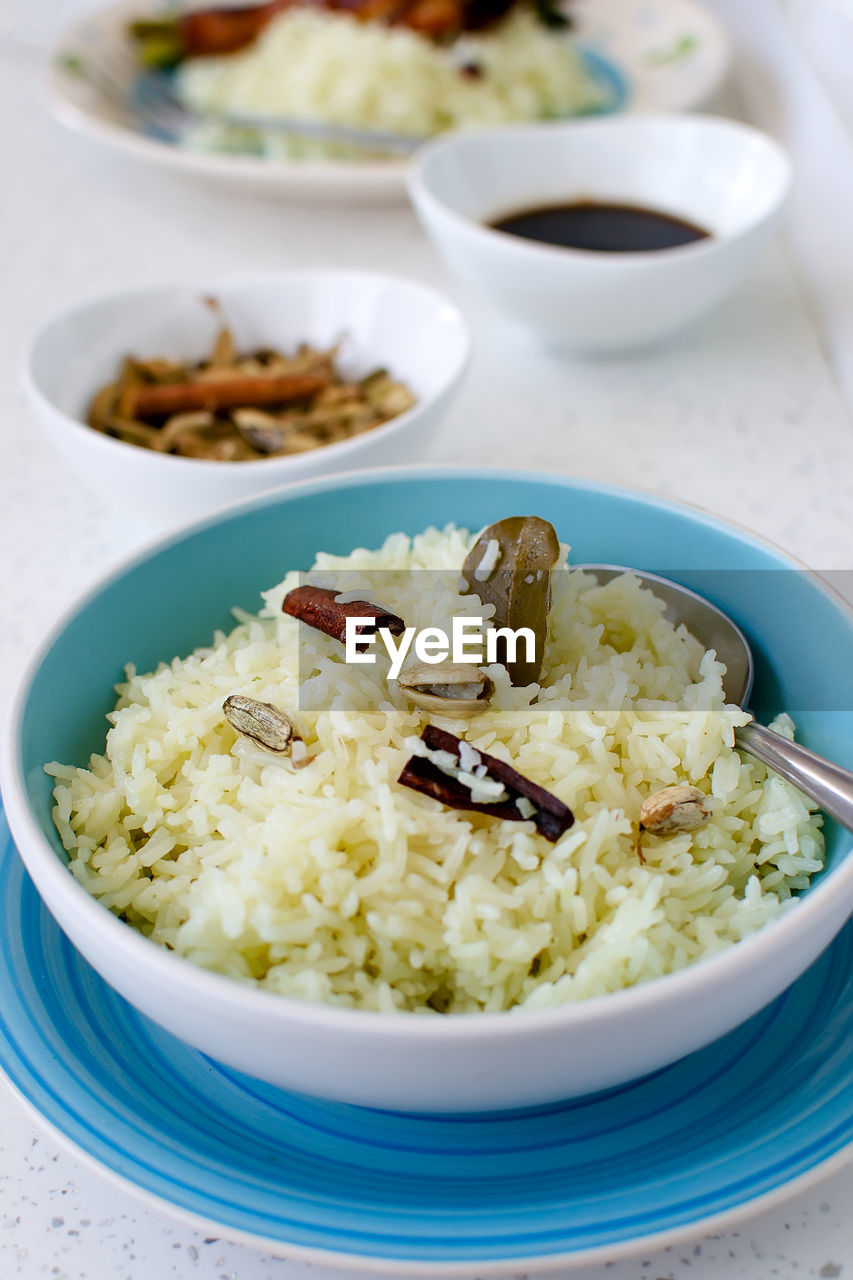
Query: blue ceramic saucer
point(728, 1129)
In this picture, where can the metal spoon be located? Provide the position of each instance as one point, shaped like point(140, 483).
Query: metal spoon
point(821, 780)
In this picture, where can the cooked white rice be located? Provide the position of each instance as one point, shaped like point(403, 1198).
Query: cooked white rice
point(333, 883)
point(319, 65)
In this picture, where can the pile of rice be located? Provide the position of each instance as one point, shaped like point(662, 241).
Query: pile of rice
point(333, 883)
point(320, 65)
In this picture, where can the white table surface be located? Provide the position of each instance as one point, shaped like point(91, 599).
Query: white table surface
point(748, 415)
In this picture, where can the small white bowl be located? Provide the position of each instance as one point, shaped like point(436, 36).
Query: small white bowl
point(726, 177)
point(381, 321)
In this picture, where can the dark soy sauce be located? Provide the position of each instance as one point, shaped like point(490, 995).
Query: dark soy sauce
point(603, 228)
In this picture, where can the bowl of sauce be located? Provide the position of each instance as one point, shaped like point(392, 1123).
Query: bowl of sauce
point(602, 226)
point(607, 234)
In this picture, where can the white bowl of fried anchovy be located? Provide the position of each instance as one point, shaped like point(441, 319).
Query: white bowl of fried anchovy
point(173, 400)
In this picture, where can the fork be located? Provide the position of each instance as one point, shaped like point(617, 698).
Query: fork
point(146, 99)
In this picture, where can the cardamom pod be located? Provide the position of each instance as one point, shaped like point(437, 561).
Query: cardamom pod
point(262, 722)
point(679, 808)
point(447, 688)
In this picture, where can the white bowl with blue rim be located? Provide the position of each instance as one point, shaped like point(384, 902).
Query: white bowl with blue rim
point(803, 639)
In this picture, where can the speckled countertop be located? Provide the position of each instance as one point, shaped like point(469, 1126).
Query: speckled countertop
point(745, 415)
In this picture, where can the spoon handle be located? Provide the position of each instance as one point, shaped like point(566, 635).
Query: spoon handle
point(827, 783)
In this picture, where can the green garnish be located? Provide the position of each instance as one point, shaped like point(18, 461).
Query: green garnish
point(681, 49)
point(71, 63)
point(159, 43)
point(550, 14)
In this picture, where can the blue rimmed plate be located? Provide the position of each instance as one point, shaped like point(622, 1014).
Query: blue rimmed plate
point(727, 1130)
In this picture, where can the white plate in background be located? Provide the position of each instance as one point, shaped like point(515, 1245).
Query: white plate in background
point(672, 54)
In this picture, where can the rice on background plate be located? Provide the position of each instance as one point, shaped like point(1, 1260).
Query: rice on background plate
point(329, 66)
point(334, 884)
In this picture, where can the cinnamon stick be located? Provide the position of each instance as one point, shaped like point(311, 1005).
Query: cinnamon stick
point(239, 392)
point(551, 817)
point(319, 608)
